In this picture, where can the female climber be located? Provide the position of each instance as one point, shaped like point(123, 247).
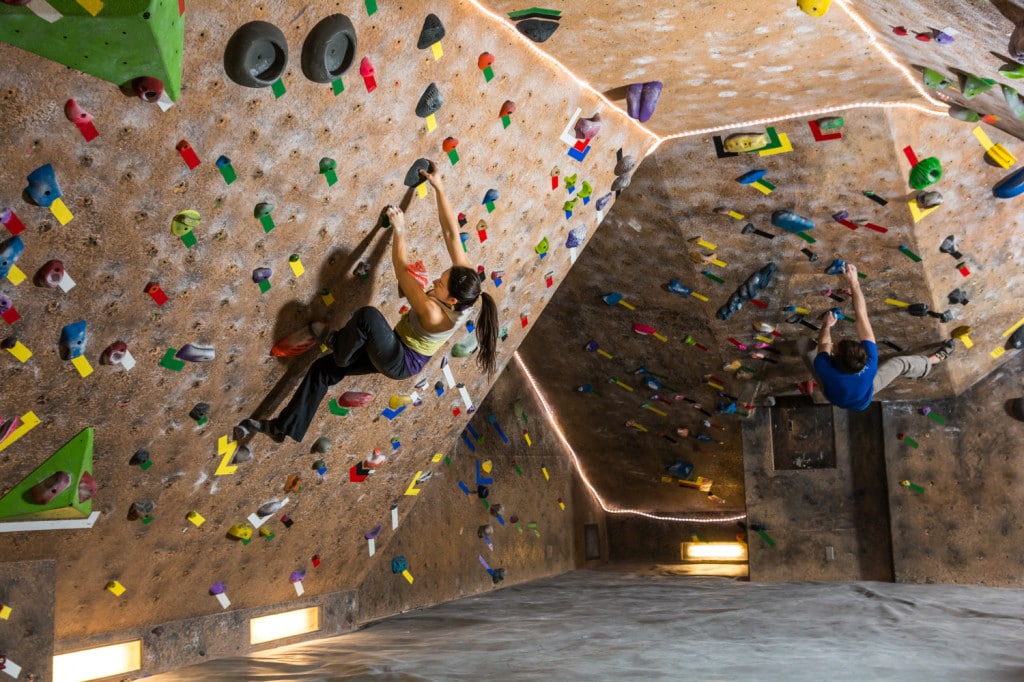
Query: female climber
point(368, 344)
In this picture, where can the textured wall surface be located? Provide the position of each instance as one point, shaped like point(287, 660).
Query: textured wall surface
point(124, 188)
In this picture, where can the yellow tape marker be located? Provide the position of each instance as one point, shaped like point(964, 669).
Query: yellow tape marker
point(421, 190)
point(196, 518)
point(115, 588)
point(983, 137)
point(60, 212)
point(787, 146)
point(15, 275)
point(93, 7)
point(764, 339)
point(916, 212)
point(604, 354)
point(737, 216)
point(699, 297)
point(5, 612)
point(562, 505)
point(544, 470)
point(802, 311)
point(1001, 156)
point(997, 352)
point(666, 479)
point(625, 386)
point(438, 456)
point(526, 437)
point(297, 267)
point(893, 301)
point(707, 245)
point(655, 410)
point(228, 450)
point(658, 336)
point(716, 386)
point(82, 365)
point(761, 188)
point(437, 50)
point(431, 123)
point(412, 489)
point(20, 351)
point(1015, 327)
point(327, 298)
point(627, 306)
point(967, 341)
point(407, 575)
point(29, 421)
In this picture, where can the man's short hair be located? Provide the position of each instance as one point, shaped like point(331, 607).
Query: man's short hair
point(850, 356)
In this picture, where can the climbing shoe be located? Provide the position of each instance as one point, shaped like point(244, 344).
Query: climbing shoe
point(946, 350)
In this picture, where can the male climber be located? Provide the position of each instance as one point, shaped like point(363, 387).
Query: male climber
point(851, 375)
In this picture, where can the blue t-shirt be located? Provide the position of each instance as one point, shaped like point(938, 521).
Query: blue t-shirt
point(850, 391)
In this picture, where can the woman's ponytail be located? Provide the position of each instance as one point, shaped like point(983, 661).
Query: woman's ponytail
point(487, 334)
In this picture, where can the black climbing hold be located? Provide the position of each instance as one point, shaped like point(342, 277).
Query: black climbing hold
point(199, 411)
point(430, 101)
point(537, 30)
point(413, 177)
point(140, 457)
point(1016, 339)
point(329, 49)
point(256, 55)
point(918, 309)
point(482, 491)
point(432, 32)
point(958, 297)
point(950, 246)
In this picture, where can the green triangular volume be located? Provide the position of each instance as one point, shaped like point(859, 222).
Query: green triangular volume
point(75, 457)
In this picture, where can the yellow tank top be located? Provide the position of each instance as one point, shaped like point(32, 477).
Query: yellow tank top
point(427, 343)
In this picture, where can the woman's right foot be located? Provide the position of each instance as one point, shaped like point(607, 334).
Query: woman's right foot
point(248, 427)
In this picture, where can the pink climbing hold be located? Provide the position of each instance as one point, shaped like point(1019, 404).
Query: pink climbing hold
point(355, 399)
point(643, 329)
point(44, 491)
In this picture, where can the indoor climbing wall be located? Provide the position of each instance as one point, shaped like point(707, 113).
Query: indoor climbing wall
point(190, 240)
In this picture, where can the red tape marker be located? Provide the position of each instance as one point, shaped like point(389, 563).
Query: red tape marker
point(12, 222)
point(876, 228)
point(820, 136)
point(367, 72)
point(188, 154)
point(911, 156)
point(11, 315)
point(156, 293)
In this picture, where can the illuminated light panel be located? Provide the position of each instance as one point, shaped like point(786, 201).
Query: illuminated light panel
point(286, 624)
point(714, 551)
point(729, 518)
point(93, 664)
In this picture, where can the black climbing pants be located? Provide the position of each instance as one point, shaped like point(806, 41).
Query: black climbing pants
point(366, 345)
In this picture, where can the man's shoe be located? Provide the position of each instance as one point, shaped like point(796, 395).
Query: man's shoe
point(946, 350)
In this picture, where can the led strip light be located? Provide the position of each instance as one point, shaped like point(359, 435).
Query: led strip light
point(549, 415)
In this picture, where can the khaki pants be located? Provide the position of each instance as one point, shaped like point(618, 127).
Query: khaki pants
point(909, 366)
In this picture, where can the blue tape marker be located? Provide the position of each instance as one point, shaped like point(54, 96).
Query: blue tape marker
point(500, 520)
point(391, 414)
point(472, 432)
point(468, 442)
point(577, 154)
point(464, 487)
point(494, 422)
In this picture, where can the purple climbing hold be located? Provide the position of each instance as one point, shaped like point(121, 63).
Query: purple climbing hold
point(218, 588)
point(603, 201)
point(576, 237)
point(633, 99)
point(649, 96)
point(297, 576)
point(193, 352)
point(261, 274)
point(372, 534)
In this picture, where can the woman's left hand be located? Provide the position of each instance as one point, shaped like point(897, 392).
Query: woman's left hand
point(397, 218)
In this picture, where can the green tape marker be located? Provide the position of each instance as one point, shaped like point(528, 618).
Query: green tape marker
point(145, 465)
point(806, 237)
point(337, 86)
point(910, 254)
point(937, 418)
point(453, 156)
point(766, 538)
point(267, 221)
point(337, 409)
point(713, 277)
point(331, 176)
point(171, 362)
point(278, 88)
point(490, 206)
point(188, 239)
point(488, 74)
point(371, 7)
point(264, 286)
point(911, 486)
point(506, 121)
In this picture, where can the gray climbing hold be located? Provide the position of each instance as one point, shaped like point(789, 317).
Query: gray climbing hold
point(413, 177)
point(929, 199)
point(242, 454)
point(268, 508)
point(329, 49)
point(321, 445)
point(537, 30)
point(621, 183)
point(432, 32)
point(625, 165)
point(256, 55)
point(430, 101)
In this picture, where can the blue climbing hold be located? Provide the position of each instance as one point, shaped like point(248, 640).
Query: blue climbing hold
point(42, 186)
point(10, 250)
point(72, 340)
point(836, 268)
point(1007, 188)
point(787, 220)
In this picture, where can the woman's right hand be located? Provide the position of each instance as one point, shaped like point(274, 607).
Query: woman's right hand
point(433, 176)
point(397, 218)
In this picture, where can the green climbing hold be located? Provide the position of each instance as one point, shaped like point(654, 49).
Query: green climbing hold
point(1012, 71)
point(935, 80)
point(73, 501)
point(975, 85)
point(964, 114)
point(926, 173)
point(1013, 101)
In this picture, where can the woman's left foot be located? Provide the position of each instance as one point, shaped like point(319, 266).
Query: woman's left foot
point(946, 350)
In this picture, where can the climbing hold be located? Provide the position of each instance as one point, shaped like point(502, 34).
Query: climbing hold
point(432, 32)
point(355, 399)
point(621, 182)
point(148, 88)
point(750, 229)
point(399, 564)
point(1007, 188)
point(269, 508)
point(1016, 339)
point(47, 489)
point(50, 274)
point(975, 85)
point(42, 188)
point(485, 60)
point(814, 8)
point(72, 340)
point(430, 101)
point(367, 72)
point(508, 108)
point(185, 222)
point(321, 445)
point(81, 118)
point(576, 237)
point(242, 454)
point(959, 297)
point(588, 128)
point(925, 173)
point(918, 309)
point(465, 348)
point(261, 275)
point(1013, 101)
point(413, 177)
point(625, 165)
point(199, 411)
point(490, 196)
point(141, 509)
point(935, 80)
point(242, 531)
point(139, 457)
point(114, 354)
point(329, 49)
point(194, 352)
point(738, 143)
point(372, 534)
point(603, 201)
point(929, 199)
point(964, 114)
point(10, 250)
point(837, 267)
point(949, 245)
point(262, 210)
point(256, 55)
point(790, 221)
point(642, 98)
point(1016, 44)
point(449, 144)
point(537, 30)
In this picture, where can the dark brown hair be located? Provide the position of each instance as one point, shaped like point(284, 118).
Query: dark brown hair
point(850, 356)
point(464, 284)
